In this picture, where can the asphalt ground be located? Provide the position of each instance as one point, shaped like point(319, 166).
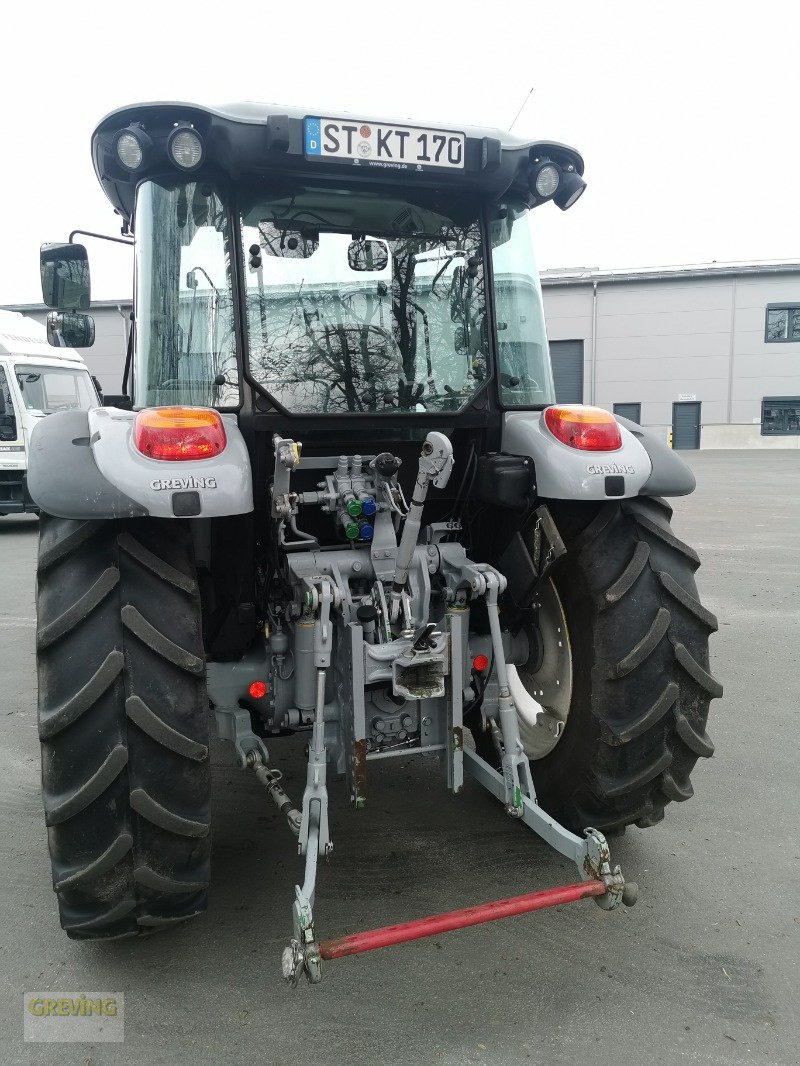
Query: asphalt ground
point(704, 969)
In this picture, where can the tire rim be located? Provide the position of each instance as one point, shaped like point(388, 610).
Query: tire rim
point(542, 691)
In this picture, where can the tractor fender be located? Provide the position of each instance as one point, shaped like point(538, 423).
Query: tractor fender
point(643, 466)
point(88, 467)
point(670, 475)
point(63, 478)
point(564, 473)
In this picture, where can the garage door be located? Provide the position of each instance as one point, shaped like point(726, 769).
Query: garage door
point(567, 357)
point(632, 411)
point(686, 425)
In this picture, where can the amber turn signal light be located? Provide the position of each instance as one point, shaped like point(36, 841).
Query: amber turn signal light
point(177, 434)
point(589, 428)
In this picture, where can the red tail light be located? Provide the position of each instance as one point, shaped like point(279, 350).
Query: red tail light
point(179, 433)
point(589, 428)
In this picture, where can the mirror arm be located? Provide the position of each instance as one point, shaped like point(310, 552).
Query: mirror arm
point(99, 236)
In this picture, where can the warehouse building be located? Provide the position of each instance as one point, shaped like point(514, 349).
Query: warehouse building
point(707, 356)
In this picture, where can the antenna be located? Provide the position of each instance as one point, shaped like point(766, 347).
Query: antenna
point(521, 108)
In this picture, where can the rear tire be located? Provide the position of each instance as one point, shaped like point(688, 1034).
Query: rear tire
point(641, 685)
point(123, 722)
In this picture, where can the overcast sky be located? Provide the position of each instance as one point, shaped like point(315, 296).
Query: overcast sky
point(686, 113)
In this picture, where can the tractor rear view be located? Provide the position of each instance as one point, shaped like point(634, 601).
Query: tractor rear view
point(339, 497)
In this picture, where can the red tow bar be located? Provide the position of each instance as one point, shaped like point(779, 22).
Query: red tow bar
point(434, 924)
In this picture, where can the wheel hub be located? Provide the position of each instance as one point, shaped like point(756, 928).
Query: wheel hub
point(542, 686)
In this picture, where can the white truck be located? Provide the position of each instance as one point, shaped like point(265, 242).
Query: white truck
point(35, 380)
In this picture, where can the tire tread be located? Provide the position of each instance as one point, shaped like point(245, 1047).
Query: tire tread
point(158, 642)
point(691, 603)
point(629, 576)
point(641, 635)
point(645, 647)
point(89, 790)
point(650, 717)
point(144, 804)
point(79, 610)
point(123, 722)
point(114, 853)
point(84, 699)
point(149, 722)
point(612, 786)
point(693, 668)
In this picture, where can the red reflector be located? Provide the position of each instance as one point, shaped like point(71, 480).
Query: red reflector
point(590, 428)
point(480, 663)
point(179, 433)
point(258, 690)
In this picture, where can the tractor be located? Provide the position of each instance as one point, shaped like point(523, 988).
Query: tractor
point(337, 495)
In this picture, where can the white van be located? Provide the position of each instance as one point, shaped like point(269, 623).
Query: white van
point(35, 380)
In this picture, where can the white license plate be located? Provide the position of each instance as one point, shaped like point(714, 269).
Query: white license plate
point(377, 144)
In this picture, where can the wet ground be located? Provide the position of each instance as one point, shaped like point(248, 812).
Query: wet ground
point(703, 970)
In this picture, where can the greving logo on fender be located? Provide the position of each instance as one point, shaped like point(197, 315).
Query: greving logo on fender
point(189, 482)
point(611, 468)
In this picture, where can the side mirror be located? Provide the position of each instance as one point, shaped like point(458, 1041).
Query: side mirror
point(123, 402)
point(367, 255)
point(65, 276)
point(69, 329)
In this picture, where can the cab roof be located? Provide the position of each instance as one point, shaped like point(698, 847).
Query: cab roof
point(245, 141)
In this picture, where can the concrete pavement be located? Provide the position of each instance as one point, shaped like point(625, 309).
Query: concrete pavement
point(703, 970)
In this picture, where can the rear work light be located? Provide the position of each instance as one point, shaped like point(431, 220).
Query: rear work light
point(185, 146)
point(177, 434)
point(589, 428)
